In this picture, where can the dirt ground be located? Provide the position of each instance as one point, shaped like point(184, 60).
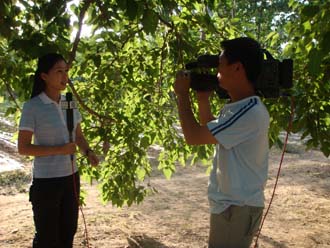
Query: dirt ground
point(177, 216)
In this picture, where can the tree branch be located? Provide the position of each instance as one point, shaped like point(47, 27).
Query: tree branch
point(82, 13)
point(162, 57)
point(72, 56)
point(84, 106)
point(10, 91)
point(168, 24)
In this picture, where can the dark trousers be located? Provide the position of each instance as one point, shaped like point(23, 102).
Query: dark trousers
point(55, 211)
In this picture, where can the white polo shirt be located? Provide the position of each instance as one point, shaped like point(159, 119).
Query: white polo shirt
point(240, 165)
point(45, 118)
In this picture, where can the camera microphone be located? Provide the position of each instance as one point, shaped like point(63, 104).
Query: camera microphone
point(69, 105)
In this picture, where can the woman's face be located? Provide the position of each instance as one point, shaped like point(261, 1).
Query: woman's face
point(57, 77)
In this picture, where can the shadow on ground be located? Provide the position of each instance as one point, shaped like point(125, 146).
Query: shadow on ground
point(269, 242)
point(143, 241)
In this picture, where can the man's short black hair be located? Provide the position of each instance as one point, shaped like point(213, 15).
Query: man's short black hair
point(247, 51)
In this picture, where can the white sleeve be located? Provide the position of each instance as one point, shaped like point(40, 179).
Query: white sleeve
point(27, 121)
point(232, 131)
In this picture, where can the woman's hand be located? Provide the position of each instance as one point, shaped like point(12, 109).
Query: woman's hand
point(92, 158)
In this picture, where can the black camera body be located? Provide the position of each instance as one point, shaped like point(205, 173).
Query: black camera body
point(275, 77)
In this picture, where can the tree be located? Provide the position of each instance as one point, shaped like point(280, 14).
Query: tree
point(310, 43)
point(122, 74)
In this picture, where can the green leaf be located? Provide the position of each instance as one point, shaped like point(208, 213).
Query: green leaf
point(132, 9)
point(167, 173)
point(97, 60)
point(141, 173)
point(325, 43)
point(310, 10)
point(307, 25)
point(149, 21)
point(326, 150)
point(315, 59)
point(122, 4)
point(145, 142)
point(10, 111)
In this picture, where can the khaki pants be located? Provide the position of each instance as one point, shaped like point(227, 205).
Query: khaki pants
point(235, 227)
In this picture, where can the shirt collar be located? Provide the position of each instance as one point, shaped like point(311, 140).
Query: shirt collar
point(46, 100)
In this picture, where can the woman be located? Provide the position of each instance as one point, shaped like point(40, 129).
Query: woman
point(54, 192)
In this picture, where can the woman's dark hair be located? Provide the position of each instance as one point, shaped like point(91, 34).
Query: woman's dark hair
point(247, 51)
point(45, 63)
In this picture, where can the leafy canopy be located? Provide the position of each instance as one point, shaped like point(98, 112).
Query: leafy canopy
point(122, 73)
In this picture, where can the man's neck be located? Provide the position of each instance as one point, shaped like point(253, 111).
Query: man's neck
point(239, 95)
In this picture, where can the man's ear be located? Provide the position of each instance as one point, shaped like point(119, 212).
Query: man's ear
point(239, 66)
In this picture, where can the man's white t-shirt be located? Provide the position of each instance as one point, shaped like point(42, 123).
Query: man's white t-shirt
point(240, 164)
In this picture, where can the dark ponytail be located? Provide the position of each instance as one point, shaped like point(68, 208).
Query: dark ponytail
point(45, 63)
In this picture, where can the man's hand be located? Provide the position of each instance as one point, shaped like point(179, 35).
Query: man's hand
point(194, 133)
point(182, 83)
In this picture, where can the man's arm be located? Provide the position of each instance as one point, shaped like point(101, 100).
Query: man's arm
point(194, 133)
point(204, 107)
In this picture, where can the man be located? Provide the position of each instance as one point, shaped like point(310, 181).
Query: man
point(240, 132)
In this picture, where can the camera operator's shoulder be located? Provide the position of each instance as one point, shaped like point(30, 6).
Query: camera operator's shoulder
point(259, 115)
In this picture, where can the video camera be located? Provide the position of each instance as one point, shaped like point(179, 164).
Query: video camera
point(274, 79)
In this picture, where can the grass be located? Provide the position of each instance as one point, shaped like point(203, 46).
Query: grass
point(12, 182)
point(4, 127)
